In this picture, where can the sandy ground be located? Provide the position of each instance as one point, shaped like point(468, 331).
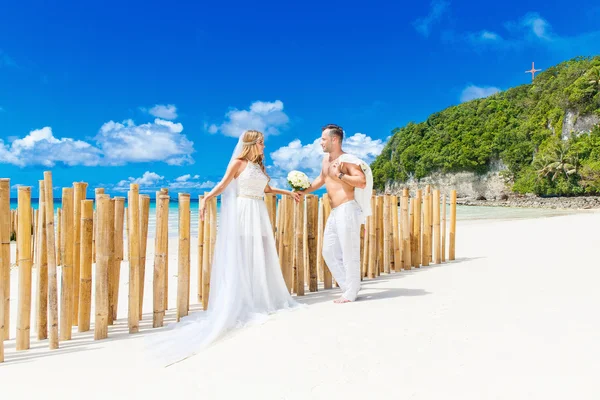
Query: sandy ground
point(514, 317)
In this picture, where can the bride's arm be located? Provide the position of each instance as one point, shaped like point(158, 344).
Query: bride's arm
point(221, 186)
point(295, 195)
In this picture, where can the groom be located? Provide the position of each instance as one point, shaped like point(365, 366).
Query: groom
point(349, 183)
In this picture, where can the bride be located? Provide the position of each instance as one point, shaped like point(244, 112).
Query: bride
point(246, 282)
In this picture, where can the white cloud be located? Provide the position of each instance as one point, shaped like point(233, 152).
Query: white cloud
point(162, 140)
point(168, 111)
point(266, 117)
point(436, 11)
point(308, 158)
point(40, 147)
point(151, 182)
point(148, 179)
point(472, 92)
point(115, 144)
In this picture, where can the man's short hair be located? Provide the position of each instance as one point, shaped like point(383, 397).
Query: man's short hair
point(334, 130)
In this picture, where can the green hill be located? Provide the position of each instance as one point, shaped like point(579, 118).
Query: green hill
point(543, 133)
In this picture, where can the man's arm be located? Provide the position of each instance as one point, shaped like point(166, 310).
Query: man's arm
point(354, 175)
point(316, 184)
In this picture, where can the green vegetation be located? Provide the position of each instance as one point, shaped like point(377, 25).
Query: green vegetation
point(522, 127)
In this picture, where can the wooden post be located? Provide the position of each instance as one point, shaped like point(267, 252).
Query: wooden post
point(406, 231)
point(42, 268)
point(386, 234)
point(85, 288)
point(397, 259)
point(443, 228)
point(200, 249)
point(119, 246)
point(380, 244)
point(144, 217)
point(24, 264)
point(327, 278)
point(364, 266)
point(312, 211)
point(320, 229)
point(111, 261)
point(134, 258)
point(160, 255)
point(452, 250)
point(426, 234)
point(183, 259)
point(51, 258)
point(97, 192)
point(59, 229)
point(5, 232)
point(79, 193)
point(66, 293)
point(103, 232)
point(419, 230)
point(165, 191)
point(299, 248)
point(436, 226)
point(271, 203)
point(279, 228)
point(213, 233)
point(206, 255)
point(288, 242)
point(372, 263)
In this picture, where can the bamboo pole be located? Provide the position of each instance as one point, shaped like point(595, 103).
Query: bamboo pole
point(85, 288)
point(200, 249)
point(299, 248)
point(144, 217)
point(452, 250)
point(183, 259)
point(115, 282)
point(97, 191)
point(79, 192)
point(426, 234)
point(160, 255)
point(414, 232)
point(429, 226)
point(327, 278)
point(165, 191)
point(418, 225)
point(288, 242)
point(34, 214)
point(379, 231)
point(397, 259)
point(111, 261)
point(372, 263)
point(206, 256)
point(444, 228)
point(59, 229)
point(66, 293)
point(5, 232)
point(271, 203)
point(386, 233)
point(103, 232)
point(42, 268)
point(406, 231)
point(436, 226)
point(134, 258)
point(320, 229)
point(365, 250)
point(279, 228)
point(51, 258)
point(312, 213)
point(24, 264)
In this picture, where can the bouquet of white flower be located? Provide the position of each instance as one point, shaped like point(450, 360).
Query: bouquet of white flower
point(298, 180)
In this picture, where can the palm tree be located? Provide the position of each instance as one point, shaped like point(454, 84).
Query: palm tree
point(557, 161)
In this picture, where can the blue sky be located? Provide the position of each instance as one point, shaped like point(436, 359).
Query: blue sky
point(155, 92)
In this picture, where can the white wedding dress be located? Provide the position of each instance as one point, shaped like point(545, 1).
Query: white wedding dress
point(246, 280)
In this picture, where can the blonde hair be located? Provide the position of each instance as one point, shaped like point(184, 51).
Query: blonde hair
point(250, 151)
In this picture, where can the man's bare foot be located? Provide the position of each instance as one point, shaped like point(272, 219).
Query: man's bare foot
point(341, 300)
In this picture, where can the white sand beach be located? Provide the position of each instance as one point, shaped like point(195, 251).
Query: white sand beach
point(514, 317)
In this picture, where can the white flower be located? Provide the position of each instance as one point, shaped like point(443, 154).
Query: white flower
point(298, 180)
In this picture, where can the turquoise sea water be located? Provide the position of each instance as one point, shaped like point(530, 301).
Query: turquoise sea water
point(463, 213)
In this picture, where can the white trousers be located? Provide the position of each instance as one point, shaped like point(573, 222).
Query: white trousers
point(341, 247)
